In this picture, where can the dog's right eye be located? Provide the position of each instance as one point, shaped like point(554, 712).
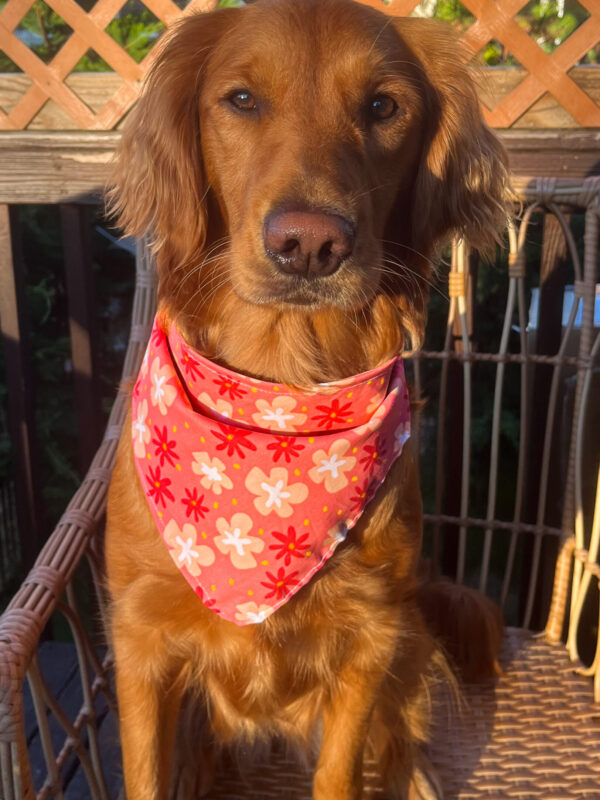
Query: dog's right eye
point(242, 100)
point(382, 107)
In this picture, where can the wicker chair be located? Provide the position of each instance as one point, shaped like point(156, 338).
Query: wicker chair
point(536, 732)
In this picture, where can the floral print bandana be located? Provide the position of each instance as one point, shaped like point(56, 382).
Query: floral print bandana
point(253, 485)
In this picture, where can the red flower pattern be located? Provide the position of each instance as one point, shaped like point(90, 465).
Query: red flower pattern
point(190, 365)
point(374, 455)
point(229, 387)
point(158, 487)
point(226, 453)
point(292, 545)
point(358, 499)
point(165, 447)
point(334, 414)
point(212, 603)
point(286, 447)
point(233, 440)
point(279, 585)
point(193, 504)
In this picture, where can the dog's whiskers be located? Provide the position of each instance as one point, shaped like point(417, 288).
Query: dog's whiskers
point(211, 257)
point(416, 276)
point(223, 277)
point(218, 243)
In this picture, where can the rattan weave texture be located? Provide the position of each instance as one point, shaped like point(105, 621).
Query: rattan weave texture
point(279, 778)
point(532, 735)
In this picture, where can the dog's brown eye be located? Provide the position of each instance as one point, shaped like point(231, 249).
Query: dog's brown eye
point(382, 107)
point(242, 100)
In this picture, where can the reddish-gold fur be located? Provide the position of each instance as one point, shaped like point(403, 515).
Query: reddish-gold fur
point(349, 656)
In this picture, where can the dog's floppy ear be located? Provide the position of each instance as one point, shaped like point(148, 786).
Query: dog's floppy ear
point(462, 184)
point(157, 186)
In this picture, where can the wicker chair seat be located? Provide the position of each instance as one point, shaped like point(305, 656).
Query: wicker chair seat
point(533, 734)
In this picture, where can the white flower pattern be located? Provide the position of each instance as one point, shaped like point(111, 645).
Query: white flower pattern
point(254, 477)
point(275, 493)
point(141, 430)
point(212, 471)
point(184, 550)
point(332, 465)
point(234, 541)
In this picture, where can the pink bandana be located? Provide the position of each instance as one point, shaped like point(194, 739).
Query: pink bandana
point(253, 485)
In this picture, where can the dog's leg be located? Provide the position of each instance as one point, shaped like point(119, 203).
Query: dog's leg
point(148, 708)
point(345, 724)
point(424, 783)
point(194, 755)
point(400, 722)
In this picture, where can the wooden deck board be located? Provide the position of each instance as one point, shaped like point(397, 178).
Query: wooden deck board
point(58, 665)
point(73, 166)
point(110, 754)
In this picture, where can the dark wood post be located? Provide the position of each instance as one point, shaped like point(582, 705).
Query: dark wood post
point(21, 392)
point(75, 221)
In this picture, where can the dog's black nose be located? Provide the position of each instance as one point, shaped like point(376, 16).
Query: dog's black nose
point(307, 243)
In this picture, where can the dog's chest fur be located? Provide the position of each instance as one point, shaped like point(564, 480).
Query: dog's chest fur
point(271, 677)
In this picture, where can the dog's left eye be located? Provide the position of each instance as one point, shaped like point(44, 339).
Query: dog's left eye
point(242, 100)
point(382, 107)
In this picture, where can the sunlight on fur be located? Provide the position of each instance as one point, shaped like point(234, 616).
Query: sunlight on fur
point(327, 112)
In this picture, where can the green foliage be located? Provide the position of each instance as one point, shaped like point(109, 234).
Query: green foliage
point(543, 23)
point(496, 55)
point(455, 13)
point(42, 30)
point(134, 28)
point(541, 19)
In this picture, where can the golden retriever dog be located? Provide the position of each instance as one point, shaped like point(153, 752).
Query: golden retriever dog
point(296, 164)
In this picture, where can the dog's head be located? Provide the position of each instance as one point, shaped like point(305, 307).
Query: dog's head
point(303, 158)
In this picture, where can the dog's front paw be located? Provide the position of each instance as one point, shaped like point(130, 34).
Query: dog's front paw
point(424, 783)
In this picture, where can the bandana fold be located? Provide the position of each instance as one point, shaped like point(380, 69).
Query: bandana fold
point(252, 484)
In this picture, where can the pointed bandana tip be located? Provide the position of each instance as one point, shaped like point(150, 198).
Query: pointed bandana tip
point(253, 485)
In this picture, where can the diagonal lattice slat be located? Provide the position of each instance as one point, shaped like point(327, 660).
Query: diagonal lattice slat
point(115, 109)
point(45, 77)
point(494, 21)
point(48, 80)
point(547, 73)
point(559, 62)
point(95, 37)
point(63, 62)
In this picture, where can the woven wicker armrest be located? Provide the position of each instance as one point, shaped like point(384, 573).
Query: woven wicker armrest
point(38, 596)
point(40, 593)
